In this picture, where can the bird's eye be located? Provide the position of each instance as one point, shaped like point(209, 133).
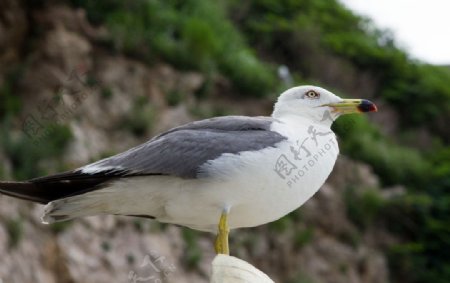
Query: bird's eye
point(312, 94)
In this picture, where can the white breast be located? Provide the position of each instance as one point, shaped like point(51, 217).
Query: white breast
point(260, 186)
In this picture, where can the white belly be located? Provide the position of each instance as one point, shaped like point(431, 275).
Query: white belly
point(255, 187)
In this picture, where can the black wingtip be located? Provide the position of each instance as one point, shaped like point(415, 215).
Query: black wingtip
point(22, 190)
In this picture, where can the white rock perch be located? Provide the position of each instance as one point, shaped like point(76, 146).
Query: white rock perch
point(229, 269)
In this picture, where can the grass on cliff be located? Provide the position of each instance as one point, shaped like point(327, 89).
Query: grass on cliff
point(27, 152)
point(193, 34)
point(14, 227)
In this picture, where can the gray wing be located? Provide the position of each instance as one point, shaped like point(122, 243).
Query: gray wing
point(178, 152)
point(181, 151)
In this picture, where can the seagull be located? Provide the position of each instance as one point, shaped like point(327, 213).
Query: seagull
point(211, 175)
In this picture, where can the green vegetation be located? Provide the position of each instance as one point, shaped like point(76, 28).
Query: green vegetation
point(422, 218)
point(138, 225)
point(301, 34)
point(282, 224)
point(106, 246)
point(396, 164)
point(14, 228)
point(25, 149)
point(130, 258)
point(188, 34)
point(25, 152)
point(363, 208)
point(303, 237)
point(140, 119)
point(174, 97)
point(106, 93)
point(353, 238)
point(59, 227)
point(192, 252)
point(10, 104)
point(301, 278)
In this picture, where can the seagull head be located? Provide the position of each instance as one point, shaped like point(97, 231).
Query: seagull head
point(317, 105)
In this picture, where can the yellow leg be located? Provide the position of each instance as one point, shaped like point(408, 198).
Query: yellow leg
point(221, 244)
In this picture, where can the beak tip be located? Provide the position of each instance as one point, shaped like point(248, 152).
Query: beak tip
point(367, 106)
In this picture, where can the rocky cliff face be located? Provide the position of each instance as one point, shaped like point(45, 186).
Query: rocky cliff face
point(111, 102)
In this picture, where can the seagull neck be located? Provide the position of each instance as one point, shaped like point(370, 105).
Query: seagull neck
point(295, 120)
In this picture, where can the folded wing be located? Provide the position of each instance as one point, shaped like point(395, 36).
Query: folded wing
point(179, 152)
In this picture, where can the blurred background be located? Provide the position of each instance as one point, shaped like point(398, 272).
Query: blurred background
point(81, 80)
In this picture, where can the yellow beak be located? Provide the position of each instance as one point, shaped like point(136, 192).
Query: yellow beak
point(348, 106)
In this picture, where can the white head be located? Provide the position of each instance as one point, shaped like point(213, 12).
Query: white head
point(317, 104)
